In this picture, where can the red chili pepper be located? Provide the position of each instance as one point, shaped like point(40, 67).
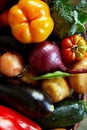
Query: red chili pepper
point(12, 120)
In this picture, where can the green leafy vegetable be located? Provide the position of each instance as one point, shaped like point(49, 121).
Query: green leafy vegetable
point(77, 25)
point(52, 75)
point(69, 16)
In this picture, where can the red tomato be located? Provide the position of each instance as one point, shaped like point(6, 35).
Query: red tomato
point(73, 48)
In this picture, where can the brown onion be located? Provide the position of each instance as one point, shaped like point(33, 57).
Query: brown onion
point(11, 64)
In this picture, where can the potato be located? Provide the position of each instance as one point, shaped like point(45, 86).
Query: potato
point(56, 88)
point(79, 81)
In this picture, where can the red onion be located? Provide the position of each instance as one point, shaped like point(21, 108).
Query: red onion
point(76, 71)
point(46, 57)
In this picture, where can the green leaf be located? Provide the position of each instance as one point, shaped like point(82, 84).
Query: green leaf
point(77, 25)
point(55, 74)
point(71, 14)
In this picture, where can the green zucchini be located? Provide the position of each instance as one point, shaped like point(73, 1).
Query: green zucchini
point(66, 113)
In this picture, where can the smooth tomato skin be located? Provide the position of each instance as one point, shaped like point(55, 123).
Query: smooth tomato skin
point(66, 43)
point(73, 48)
point(69, 55)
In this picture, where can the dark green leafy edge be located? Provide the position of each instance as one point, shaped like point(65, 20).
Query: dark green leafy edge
point(72, 11)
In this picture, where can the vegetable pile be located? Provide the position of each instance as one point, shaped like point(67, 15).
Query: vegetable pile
point(43, 64)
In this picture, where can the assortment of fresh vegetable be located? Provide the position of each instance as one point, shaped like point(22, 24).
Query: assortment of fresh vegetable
point(43, 64)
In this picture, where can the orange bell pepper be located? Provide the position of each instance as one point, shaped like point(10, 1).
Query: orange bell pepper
point(30, 21)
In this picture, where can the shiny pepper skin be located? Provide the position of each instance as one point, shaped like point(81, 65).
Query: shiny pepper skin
point(30, 21)
point(12, 120)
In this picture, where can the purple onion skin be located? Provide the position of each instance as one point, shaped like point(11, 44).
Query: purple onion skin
point(46, 57)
